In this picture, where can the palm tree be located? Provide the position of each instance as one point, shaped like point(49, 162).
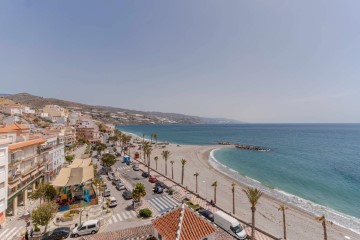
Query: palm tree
point(215, 186)
point(322, 219)
point(138, 192)
point(143, 136)
point(183, 162)
point(151, 137)
point(196, 177)
point(253, 195)
point(146, 145)
point(283, 208)
point(165, 154)
point(148, 153)
point(233, 195)
point(172, 169)
point(155, 137)
point(156, 159)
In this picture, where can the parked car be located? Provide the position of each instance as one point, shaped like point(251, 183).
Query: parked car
point(115, 181)
point(57, 234)
point(158, 189)
point(230, 224)
point(207, 214)
point(88, 227)
point(111, 176)
point(153, 179)
point(145, 174)
point(194, 205)
point(161, 184)
point(111, 202)
point(127, 194)
point(136, 167)
point(120, 186)
point(106, 193)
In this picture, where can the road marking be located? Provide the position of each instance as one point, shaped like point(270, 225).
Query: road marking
point(173, 201)
point(119, 216)
point(166, 202)
point(156, 200)
point(123, 214)
point(114, 219)
point(4, 232)
point(154, 205)
point(110, 221)
point(7, 236)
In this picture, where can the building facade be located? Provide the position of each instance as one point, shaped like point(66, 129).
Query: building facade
point(3, 179)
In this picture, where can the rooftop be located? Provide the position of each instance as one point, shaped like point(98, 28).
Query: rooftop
point(183, 224)
point(13, 127)
point(16, 146)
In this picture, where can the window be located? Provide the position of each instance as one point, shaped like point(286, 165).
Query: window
point(2, 153)
point(2, 185)
point(159, 236)
point(91, 226)
point(13, 156)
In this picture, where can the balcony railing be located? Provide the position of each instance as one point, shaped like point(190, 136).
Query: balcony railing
point(14, 178)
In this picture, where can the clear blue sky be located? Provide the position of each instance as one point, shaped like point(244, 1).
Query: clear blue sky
point(256, 61)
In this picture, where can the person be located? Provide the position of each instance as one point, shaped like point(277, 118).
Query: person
point(31, 232)
point(26, 235)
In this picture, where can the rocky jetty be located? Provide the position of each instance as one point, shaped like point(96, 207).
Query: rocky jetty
point(250, 147)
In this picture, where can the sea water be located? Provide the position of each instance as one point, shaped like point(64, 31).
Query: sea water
point(313, 166)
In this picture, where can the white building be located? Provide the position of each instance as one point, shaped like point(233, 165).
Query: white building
point(28, 110)
point(55, 111)
point(11, 119)
point(3, 179)
point(13, 110)
point(54, 155)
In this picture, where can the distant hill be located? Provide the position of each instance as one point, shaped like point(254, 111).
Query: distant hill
point(116, 115)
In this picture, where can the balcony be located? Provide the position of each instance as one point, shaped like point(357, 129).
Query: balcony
point(14, 178)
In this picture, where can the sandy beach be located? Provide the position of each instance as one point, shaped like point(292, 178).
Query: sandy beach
point(300, 224)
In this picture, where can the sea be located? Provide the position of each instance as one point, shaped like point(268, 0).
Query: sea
point(315, 167)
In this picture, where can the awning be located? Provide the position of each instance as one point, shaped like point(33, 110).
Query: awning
point(80, 163)
point(74, 176)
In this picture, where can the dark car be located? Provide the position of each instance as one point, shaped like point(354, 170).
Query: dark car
point(115, 181)
point(160, 184)
point(56, 234)
point(207, 214)
point(127, 194)
point(145, 174)
point(158, 189)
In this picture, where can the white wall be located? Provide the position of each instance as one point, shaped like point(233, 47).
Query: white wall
point(3, 175)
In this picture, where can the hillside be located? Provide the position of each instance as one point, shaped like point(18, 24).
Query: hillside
point(115, 115)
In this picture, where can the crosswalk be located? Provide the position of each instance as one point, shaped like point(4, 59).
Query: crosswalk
point(10, 233)
point(163, 203)
point(123, 168)
point(119, 217)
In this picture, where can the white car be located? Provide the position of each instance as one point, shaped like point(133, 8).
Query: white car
point(88, 227)
point(112, 202)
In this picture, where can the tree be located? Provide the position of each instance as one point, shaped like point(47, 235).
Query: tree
point(113, 138)
point(183, 162)
point(156, 159)
point(108, 159)
point(138, 192)
point(155, 137)
point(43, 214)
point(215, 186)
point(322, 220)
point(172, 169)
point(196, 178)
point(253, 195)
point(69, 158)
point(283, 208)
point(165, 154)
point(233, 196)
point(148, 153)
point(44, 192)
point(99, 146)
point(146, 145)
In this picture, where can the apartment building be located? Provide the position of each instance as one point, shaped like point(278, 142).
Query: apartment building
point(13, 110)
point(53, 151)
point(55, 111)
point(3, 179)
point(25, 164)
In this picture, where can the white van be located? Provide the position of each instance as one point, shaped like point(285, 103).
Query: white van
point(88, 227)
point(112, 202)
point(229, 224)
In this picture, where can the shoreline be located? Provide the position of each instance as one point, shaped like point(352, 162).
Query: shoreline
point(306, 225)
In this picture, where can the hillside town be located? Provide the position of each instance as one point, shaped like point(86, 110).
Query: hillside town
point(64, 174)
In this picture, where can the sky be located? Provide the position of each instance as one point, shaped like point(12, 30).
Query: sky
point(254, 61)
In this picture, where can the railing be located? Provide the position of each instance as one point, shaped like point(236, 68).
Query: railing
point(14, 178)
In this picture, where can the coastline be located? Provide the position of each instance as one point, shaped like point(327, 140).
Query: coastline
point(301, 223)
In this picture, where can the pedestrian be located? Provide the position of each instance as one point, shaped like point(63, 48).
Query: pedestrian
point(26, 235)
point(31, 232)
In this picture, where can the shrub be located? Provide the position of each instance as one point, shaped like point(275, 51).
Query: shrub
point(36, 228)
point(145, 212)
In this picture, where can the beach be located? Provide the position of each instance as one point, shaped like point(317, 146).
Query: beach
point(300, 224)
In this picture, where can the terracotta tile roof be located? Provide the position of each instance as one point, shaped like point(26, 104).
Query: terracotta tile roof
point(28, 143)
point(13, 127)
point(183, 224)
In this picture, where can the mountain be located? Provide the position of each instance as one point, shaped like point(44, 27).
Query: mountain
point(120, 116)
